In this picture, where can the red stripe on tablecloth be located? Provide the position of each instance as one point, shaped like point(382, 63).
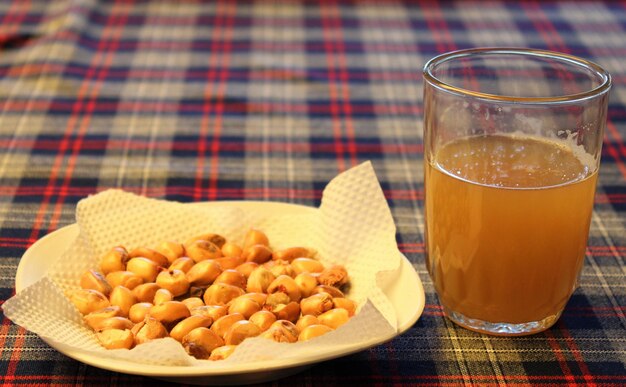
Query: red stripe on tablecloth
point(610, 149)
point(122, 74)
point(580, 361)
point(14, 15)
point(616, 154)
point(437, 25)
point(558, 354)
point(544, 26)
point(221, 92)
point(233, 145)
point(344, 83)
point(271, 193)
point(116, 24)
point(234, 107)
point(553, 39)
point(379, 380)
point(270, 46)
point(65, 142)
point(619, 141)
point(207, 105)
point(329, 48)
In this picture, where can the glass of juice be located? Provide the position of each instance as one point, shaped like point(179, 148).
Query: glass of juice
point(512, 143)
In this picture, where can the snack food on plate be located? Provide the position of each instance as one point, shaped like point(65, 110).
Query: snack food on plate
point(210, 294)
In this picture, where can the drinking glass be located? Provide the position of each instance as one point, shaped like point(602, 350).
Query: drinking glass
point(512, 143)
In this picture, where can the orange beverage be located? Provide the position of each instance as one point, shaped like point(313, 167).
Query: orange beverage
point(507, 224)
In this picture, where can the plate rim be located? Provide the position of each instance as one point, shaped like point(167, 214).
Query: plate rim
point(262, 366)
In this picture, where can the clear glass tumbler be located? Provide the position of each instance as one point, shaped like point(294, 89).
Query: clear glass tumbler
point(512, 143)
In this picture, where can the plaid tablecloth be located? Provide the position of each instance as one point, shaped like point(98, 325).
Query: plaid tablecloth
point(265, 100)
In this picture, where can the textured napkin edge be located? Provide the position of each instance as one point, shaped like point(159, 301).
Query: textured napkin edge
point(358, 173)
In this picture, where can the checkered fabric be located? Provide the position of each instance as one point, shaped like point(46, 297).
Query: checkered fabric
point(266, 100)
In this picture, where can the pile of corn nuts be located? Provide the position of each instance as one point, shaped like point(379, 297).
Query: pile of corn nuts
point(211, 294)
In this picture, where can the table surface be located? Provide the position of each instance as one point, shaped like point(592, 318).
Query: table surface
point(256, 100)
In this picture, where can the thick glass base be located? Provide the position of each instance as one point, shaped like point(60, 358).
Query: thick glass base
point(501, 328)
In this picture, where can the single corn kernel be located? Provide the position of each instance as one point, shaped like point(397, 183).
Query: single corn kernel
point(94, 318)
point(334, 318)
point(257, 253)
point(213, 311)
point(313, 331)
point(143, 267)
point(183, 264)
point(279, 268)
point(88, 300)
point(307, 265)
point(230, 262)
point(223, 352)
point(115, 322)
point(336, 276)
point(281, 332)
point(153, 255)
point(345, 303)
point(93, 279)
point(306, 320)
point(291, 253)
point(169, 312)
point(204, 273)
point(185, 326)
point(247, 268)
point(221, 294)
point(116, 338)
point(333, 291)
point(201, 250)
point(231, 277)
point(139, 311)
point(223, 324)
point(173, 280)
point(289, 312)
point(259, 280)
point(231, 250)
point(316, 304)
point(263, 319)
point(161, 296)
point(122, 297)
point(260, 298)
point(245, 306)
point(148, 329)
point(171, 250)
point(255, 237)
point(216, 239)
point(287, 285)
point(306, 283)
point(145, 292)
point(192, 302)
point(200, 342)
point(124, 278)
point(114, 260)
point(275, 299)
point(239, 331)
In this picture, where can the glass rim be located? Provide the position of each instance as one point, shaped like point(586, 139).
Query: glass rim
point(527, 52)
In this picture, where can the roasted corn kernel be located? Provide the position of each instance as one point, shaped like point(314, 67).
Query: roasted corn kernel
point(114, 260)
point(185, 326)
point(153, 255)
point(173, 280)
point(313, 331)
point(116, 338)
point(200, 342)
point(95, 280)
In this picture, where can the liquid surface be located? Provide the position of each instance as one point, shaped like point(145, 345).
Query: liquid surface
point(507, 223)
point(511, 161)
